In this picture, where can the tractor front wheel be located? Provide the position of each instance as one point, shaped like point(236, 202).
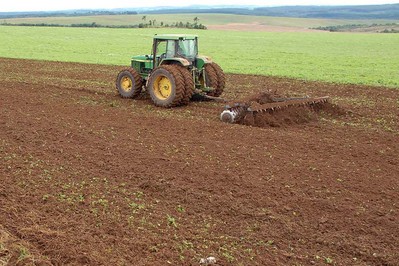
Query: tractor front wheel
point(129, 83)
point(166, 86)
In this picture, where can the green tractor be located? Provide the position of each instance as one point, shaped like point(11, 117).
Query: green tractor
point(173, 73)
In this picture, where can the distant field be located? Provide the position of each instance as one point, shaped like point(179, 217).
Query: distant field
point(207, 19)
point(336, 57)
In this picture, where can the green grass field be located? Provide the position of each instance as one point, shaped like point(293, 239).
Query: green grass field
point(335, 57)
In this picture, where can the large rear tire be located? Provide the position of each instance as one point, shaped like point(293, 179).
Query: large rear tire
point(129, 83)
point(211, 80)
point(221, 79)
point(166, 86)
point(215, 78)
point(188, 84)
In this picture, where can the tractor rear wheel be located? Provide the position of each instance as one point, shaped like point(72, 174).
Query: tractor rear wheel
point(221, 79)
point(214, 77)
point(188, 84)
point(166, 86)
point(129, 83)
point(211, 80)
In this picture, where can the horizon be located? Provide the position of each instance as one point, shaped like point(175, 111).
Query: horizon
point(52, 6)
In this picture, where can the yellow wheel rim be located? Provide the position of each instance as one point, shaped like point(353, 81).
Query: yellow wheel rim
point(162, 87)
point(126, 84)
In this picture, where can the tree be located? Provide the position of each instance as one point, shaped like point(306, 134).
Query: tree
point(144, 18)
point(196, 19)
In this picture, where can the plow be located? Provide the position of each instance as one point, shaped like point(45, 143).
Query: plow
point(174, 73)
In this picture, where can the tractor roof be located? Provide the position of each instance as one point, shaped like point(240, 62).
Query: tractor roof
point(175, 37)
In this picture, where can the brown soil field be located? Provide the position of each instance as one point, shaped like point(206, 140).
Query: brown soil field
point(89, 178)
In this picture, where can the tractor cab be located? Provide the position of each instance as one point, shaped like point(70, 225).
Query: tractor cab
point(169, 48)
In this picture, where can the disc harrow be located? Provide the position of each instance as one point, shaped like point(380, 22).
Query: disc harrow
point(236, 111)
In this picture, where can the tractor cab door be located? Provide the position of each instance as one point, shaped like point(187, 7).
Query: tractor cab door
point(164, 49)
point(159, 51)
point(170, 49)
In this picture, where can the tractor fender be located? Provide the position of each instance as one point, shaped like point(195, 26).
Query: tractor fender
point(202, 60)
point(170, 61)
point(205, 59)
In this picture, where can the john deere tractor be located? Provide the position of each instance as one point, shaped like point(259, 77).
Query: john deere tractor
point(173, 73)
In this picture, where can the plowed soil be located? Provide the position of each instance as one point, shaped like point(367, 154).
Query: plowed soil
point(89, 178)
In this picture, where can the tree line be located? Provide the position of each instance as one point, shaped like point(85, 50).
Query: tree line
point(150, 23)
point(153, 23)
point(349, 27)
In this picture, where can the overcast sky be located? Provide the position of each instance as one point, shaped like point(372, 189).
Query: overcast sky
point(44, 5)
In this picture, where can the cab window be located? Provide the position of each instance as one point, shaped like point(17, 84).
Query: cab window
point(171, 49)
point(187, 48)
point(161, 48)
